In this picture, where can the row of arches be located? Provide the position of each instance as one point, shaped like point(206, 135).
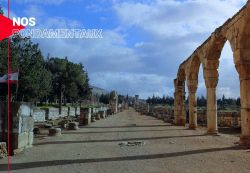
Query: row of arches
point(237, 32)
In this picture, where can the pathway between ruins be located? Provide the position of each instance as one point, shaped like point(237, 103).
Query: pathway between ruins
point(102, 148)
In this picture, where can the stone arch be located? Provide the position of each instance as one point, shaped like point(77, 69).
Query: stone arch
point(193, 67)
point(181, 76)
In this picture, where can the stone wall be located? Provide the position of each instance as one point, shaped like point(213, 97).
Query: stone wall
point(21, 125)
point(39, 115)
point(53, 113)
point(72, 111)
point(225, 119)
point(229, 119)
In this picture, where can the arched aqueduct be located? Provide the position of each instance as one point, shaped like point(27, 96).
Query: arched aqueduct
point(237, 31)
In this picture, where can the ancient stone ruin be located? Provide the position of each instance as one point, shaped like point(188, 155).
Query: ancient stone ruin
point(21, 126)
point(114, 102)
point(237, 31)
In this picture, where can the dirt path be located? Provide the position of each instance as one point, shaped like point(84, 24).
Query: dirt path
point(166, 149)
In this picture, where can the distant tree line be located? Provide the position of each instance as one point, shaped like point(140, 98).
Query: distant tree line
point(201, 101)
point(105, 98)
point(228, 101)
point(160, 100)
point(42, 79)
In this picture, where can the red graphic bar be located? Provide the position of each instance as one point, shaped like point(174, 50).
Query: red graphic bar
point(8, 100)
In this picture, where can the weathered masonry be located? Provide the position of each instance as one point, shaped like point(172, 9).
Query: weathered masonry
point(237, 31)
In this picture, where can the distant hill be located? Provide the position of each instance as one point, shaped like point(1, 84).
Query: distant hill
point(98, 91)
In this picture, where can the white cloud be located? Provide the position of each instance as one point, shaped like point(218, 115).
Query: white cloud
point(174, 30)
point(99, 56)
point(132, 83)
point(175, 18)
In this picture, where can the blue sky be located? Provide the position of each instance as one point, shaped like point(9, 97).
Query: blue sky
point(144, 40)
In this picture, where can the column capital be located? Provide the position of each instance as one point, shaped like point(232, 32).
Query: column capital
point(192, 86)
point(211, 82)
point(211, 77)
point(243, 68)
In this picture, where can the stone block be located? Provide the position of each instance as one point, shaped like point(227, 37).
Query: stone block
point(93, 119)
point(3, 150)
point(97, 116)
point(64, 112)
point(27, 124)
point(73, 126)
point(36, 131)
point(48, 126)
point(55, 132)
point(77, 110)
point(39, 115)
point(102, 114)
point(23, 140)
point(72, 111)
point(31, 138)
point(85, 116)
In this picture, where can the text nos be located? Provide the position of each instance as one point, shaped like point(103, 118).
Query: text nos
point(24, 21)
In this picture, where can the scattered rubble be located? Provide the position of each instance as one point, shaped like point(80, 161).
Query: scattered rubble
point(132, 144)
point(55, 132)
point(73, 126)
point(3, 150)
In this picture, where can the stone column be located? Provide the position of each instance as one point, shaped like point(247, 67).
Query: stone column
point(114, 101)
point(192, 88)
point(243, 69)
point(211, 80)
point(179, 103)
point(211, 111)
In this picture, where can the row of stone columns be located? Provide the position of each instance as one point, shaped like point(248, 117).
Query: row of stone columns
point(211, 80)
point(211, 84)
point(180, 115)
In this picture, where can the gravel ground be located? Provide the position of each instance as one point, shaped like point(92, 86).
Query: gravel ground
point(101, 148)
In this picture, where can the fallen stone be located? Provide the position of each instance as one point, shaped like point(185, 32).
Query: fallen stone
point(171, 142)
point(97, 116)
point(131, 144)
point(73, 126)
point(55, 132)
point(48, 126)
point(103, 114)
point(3, 150)
point(36, 131)
point(93, 119)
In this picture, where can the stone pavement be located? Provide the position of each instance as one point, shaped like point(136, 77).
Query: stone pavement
point(131, 143)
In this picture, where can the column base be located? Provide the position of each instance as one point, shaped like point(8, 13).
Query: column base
point(245, 141)
point(180, 122)
point(210, 132)
point(192, 127)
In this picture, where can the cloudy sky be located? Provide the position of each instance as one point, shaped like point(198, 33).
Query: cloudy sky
point(143, 43)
